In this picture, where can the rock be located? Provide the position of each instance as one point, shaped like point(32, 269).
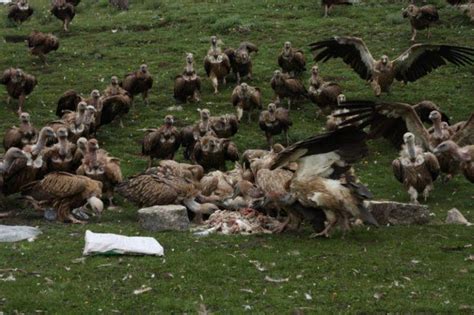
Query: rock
point(397, 213)
point(164, 218)
point(455, 217)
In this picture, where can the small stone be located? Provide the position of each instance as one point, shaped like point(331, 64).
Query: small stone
point(397, 213)
point(164, 218)
point(456, 217)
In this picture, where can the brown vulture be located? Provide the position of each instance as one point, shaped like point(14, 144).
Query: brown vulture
point(65, 192)
point(415, 169)
point(240, 60)
point(291, 60)
point(138, 82)
point(61, 156)
point(328, 4)
point(462, 155)
point(421, 18)
point(19, 11)
point(20, 136)
point(115, 103)
point(216, 64)
point(64, 11)
point(224, 126)
point(211, 152)
point(273, 122)
point(323, 94)
point(68, 102)
point(35, 152)
point(187, 86)
point(246, 98)
point(19, 85)
point(41, 44)
point(11, 162)
point(190, 134)
point(468, 9)
point(416, 62)
point(324, 178)
point(285, 86)
point(161, 143)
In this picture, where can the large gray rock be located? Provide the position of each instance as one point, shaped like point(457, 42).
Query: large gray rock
point(164, 218)
point(397, 213)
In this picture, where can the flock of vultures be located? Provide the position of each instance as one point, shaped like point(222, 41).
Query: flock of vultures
point(61, 166)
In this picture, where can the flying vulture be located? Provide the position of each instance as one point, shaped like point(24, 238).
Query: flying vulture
point(187, 86)
point(19, 85)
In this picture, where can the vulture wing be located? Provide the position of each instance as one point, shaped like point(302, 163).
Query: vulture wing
point(6, 76)
point(231, 152)
point(351, 50)
point(397, 168)
point(421, 59)
point(432, 164)
point(12, 138)
point(68, 101)
point(465, 135)
point(63, 185)
point(249, 46)
point(282, 115)
point(207, 65)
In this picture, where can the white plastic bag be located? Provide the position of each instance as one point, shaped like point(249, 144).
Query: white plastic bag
point(15, 233)
point(105, 243)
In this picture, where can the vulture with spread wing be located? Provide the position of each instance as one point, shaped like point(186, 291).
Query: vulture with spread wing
point(187, 86)
point(19, 85)
point(413, 64)
point(161, 143)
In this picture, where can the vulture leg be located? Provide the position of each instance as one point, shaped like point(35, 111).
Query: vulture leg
point(150, 162)
point(249, 116)
point(9, 99)
point(196, 97)
point(112, 205)
point(326, 10)
point(413, 34)
point(286, 137)
point(269, 140)
point(376, 87)
point(332, 220)
point(121, 123)
point(145, 97)
point(289, 103)
point(66, 25)
point(21, 102)
point(413, 195)
point(238, 77)
point(249, 76)
point(73, 220)
point(215, 84)
point(429, 32)
point(426, 192)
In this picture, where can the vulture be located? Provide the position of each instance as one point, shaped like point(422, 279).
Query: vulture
point(468, 9)
point(324, 179)
point(19, 85)
point(240, 61)
point(13, 160)
point(161, 143)
point(76, 122)
point(190, 134)
point(291, 60)
point(34, 152)
point(119, 4)
point(421, 18)
point(211, 152)
point(416, 62)
point(216, 64)
point(115, 103)
point(68, 102)
point(138, 82)
point(40, 44)
point(64, 11)
point(323, 94)
point(61, 156)
point(462, 155)
point(98, 165)
point(285, 86)
point(415, 169)
point(328, 4)
point(187, 86)
point(274, 121)
point(224, 126)
point(163, 187)
point(19, 11)
point(65, 192)
point(246, 98)
point(20, 136)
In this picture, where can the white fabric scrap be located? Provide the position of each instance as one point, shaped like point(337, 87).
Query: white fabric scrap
point(15, 233)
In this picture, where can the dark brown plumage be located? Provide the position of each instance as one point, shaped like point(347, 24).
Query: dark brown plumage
point(64, 11)
point(119, 4)
point(41, 44)
point(12, 164)
point(138, 82)
point(273, 122)
point(216, 64)
point(20, 136)
point(190, 134)
point(246, 98)
point(74, 2)
point(162, 143)
point(285, 86)
point(240, 60)
point(211, 152)
point(224, 126)
point(187, 86)
point(61, 156)
point(20, 11)
point(19, 84)
point(292, 60)
point(328, 4)
point(113, 107)
point(464, 155)
point(421, 18)
point(324, 94)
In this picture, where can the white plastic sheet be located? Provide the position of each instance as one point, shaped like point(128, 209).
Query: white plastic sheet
point(15, 233)
point(106, 243)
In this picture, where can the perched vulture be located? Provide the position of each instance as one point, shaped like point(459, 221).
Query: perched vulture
point(292, 60)
point(462, 155)
point(273, 122)
point(246, 98)
point(421, 18)
point(161, 143)
point(20, 136)
point(328, 4)
point(41, 44)
point(216, 64)
point(19, 11)
point(416, 62)
point(138, 82)
point(99, 165)
point(187, 86)
point(12, 164)
point(61, 156)
point(323, 94)
point(19, 84)
point(224, 126)
point(415, 169)
point(115, 103)
point(65, 192)
point(324, 179)
point(190, 134)
point(286, 87)
point(64, 11)
point(211, 152)
point(240, 61)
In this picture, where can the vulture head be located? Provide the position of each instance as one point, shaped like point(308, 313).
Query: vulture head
point(315, 70)
point(214, 41)
point(62, 133)
point(435, 116)
point(53, 42)
point(81, 107)
point(92, 145)
point(243, 56)
point(169, 120)
point(25, 118)
point(97, 206)
point(18, 75)
point(341, 98)
point(82, 144)
point(287, 48)
point(272, 107)
point(244, 87)
point(95, 94)
point(47, 133)
point(205, 114)
point(114, 80)
point(453, 149)
point(384, 59)
point(23, 5)
point(411, 10)
point(210, 144)
point(144, 68)
point(189, 58)
point(90, 114)
point(409, 140)
point(277, 75)
point(11, 155)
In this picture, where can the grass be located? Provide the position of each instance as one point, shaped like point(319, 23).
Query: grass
point(391, 269)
